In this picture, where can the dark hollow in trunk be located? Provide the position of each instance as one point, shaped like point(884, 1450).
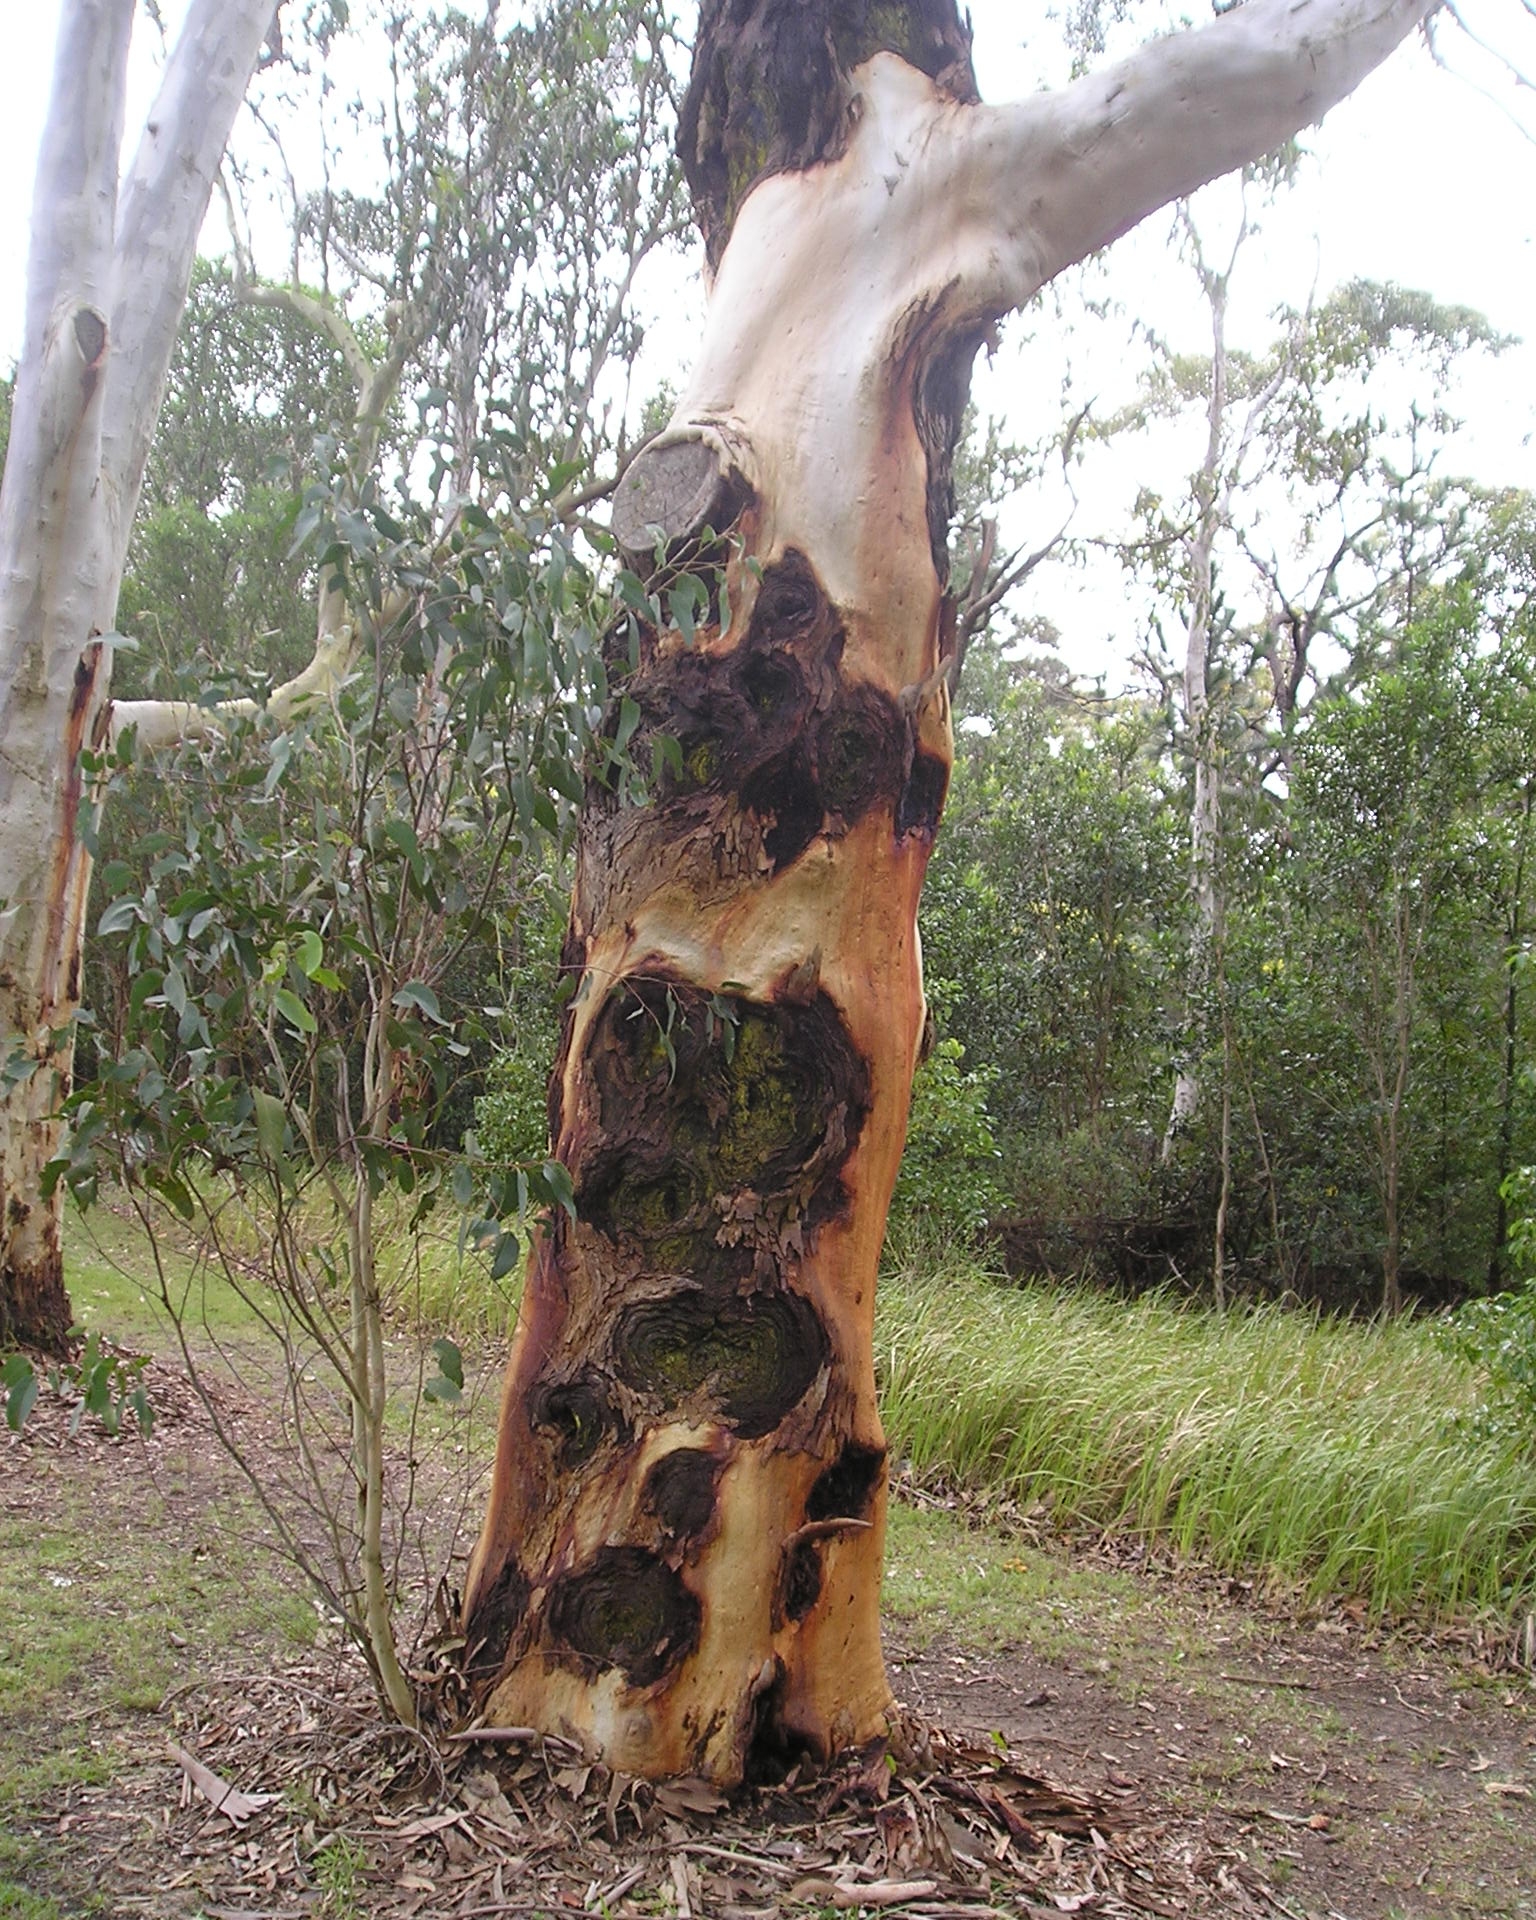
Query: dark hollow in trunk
point(681, 1560)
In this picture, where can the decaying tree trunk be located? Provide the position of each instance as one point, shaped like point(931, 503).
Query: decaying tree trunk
point(681, 1561)
point(107, 279)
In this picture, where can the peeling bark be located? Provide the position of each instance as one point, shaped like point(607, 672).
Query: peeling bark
point(680, 1565)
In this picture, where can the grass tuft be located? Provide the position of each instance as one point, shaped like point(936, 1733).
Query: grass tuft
point(1336, 1454)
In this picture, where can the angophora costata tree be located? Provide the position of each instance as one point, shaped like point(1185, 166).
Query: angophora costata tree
point(681, 1561)
point(107, 277)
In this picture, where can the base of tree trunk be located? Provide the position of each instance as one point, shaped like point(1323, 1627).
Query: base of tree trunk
point(681, 1562)
point(34, 1308)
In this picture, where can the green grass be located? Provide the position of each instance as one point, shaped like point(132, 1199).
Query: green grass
point(1326, 1451)
point(108, 1598)
point(943, 1577)
point(1335, 1454)
point(431, 1284)
point(115, 1277)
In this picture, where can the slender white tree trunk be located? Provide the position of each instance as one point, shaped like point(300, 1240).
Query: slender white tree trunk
point(107, 279)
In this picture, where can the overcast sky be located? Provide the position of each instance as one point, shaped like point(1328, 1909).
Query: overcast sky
point(1422, 179)
point(1418, 178)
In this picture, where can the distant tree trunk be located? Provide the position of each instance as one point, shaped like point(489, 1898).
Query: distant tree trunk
point(681, 1560)
point(1222, 470)
point(1514, 934)
point(107, 277)
point(1202, 727)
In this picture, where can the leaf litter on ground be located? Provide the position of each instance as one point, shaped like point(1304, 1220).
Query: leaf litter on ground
point(933, 1823)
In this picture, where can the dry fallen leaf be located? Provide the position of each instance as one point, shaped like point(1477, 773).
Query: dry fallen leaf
point(689, 1795)
point(237, 1807)
point(1507, 1789)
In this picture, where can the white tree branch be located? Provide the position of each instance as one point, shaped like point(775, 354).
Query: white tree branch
point(1059, 175)
point(320, 315)
point(161, 724)
point(160, 214)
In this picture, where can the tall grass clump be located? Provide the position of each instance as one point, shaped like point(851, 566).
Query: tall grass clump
point(1338, 1455)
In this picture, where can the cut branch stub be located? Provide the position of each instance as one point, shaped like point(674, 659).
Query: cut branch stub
point(670, 493)
point(680, 1491)
point(753, 1360)
point(701, 1096)
point(579, 1413)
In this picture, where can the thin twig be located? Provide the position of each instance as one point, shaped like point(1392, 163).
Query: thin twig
point(1260, 1680)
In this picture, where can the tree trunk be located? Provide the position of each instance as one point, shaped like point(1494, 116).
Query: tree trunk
point(681, 1561)
point(106, 280)
point(1514, 934)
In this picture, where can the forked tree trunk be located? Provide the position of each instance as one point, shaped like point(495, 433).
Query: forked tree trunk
point(107, 278)
point(681, 1561)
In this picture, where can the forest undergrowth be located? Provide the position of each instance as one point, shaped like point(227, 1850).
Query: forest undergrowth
point(1335, 1458)
point(1338, 1456)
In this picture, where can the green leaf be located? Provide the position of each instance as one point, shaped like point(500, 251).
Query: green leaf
point(175, 990)
point(20, 1382)
point(97, 1381)
point(172, 1189)
point(558, 1180)
point(141, 990)
point(403, 835)
point(310, 953)
point(507, 1254)
point(417, 994)
point(629, 719)
point(120, 916)
point(293, 1010)
point(303, 527)
point(271, 1123)
point(281, 752)
point(448, 1385)
point(565, 779)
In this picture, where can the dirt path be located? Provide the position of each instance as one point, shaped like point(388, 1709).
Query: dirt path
point(1366, 1781)
point(1242, 1761)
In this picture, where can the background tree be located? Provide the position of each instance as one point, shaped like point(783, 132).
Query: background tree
point(107, 275)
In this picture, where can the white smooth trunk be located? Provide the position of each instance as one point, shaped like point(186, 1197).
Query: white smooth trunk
point(107, 278)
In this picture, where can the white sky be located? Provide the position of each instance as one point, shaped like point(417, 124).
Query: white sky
point(1418, 178)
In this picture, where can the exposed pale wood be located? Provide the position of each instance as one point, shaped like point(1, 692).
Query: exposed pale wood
point(667, 1570)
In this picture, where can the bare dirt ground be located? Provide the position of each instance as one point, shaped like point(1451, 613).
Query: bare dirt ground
point(1163, 1743)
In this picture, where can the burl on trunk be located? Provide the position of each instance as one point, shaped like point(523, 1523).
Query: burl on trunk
point(681, 1563)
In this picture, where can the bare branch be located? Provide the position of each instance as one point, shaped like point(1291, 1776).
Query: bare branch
point(1521, 79)
point(314, 312)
